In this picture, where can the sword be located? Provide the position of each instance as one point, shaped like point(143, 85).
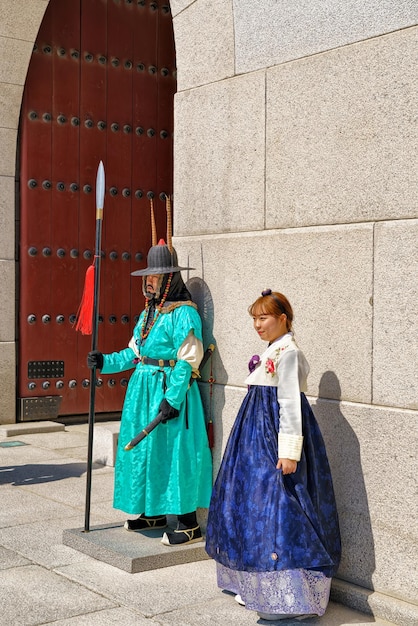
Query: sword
point(157, 420)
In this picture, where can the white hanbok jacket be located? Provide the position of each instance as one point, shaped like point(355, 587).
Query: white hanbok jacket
point(283, 365)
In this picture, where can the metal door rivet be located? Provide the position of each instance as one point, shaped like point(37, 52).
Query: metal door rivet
point(72, 384)
point(136, 319)
point(60, 186)
point(60, 319)
point(138, 257)
point(127, 129)
point(72, 318)
point(140, 67)
point(47, 251)
point(89, 123)
point(75, 121)
point(139, 130)
point(85, 383)
point(126, 192)
point(102, 59)
point(32, 115)
point(31, 319)
point(99, 382)
point(163, 196)
point(47, 49)
point(153, 6)
point(101, 125)
point(111, 382)
point(138, 194)
point(32, 251)
point(46, 384)
point(112, 319)
point(59, 384)
point(150, 194)
point(152, 69)
point(124, 319)
point(61, 119)
point(100, 319)
point(47, 117)
point(128, 65)
point(61, 52)
point(46, 318)
point(61, 253)
point(125, 256)
point(87, 189)
point(113, 255)
point(166, 9)
point(31, 386)
point(163, 134)
point(32, 183)
point(115, 127)
point(87, 254)
point(75, 54)
point(150, 132)
point(88, 57)
point(47, 184)
point(115, 62)
point(124, 382)
point(73, 187)
point(113, 191)
point(74, 253)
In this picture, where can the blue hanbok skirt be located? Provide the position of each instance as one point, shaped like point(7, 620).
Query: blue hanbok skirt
point(261, 521)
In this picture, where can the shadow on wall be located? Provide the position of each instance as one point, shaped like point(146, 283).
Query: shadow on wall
point(343, 448)
point(213, 396)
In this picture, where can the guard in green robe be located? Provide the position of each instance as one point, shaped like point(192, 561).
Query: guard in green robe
point(170, 471)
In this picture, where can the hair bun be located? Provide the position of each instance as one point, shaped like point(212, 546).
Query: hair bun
point(266, 292)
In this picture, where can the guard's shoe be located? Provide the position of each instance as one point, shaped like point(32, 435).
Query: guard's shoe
point(146, 523)
point(239, 600)
point(182, 536)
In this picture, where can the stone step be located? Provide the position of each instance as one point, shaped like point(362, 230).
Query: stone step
point(131, 551)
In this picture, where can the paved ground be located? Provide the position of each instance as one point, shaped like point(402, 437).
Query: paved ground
point(43, 581)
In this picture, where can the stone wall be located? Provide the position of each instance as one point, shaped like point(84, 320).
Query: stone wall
point(295, 169)
point(19, 24)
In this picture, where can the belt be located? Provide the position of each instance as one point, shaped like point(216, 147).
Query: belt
point(145, 360)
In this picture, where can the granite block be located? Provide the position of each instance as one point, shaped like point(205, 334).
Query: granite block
point(340, 139)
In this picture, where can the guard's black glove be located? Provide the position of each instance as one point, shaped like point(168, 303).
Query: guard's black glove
point(168, 411)
point(95, 359)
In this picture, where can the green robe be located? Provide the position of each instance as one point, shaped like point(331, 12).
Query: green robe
point(170, 471)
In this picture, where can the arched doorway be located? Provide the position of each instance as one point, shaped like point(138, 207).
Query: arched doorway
point(100, 86)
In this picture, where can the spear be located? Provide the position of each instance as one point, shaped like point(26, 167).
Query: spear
point(88, 321)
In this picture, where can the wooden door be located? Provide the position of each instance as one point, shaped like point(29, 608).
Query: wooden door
point(100, 86)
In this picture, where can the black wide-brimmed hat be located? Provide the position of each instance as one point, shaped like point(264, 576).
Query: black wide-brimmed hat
point(161, 261)
point(162, 258)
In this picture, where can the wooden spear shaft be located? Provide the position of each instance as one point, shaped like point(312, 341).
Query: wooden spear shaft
point(100, 190)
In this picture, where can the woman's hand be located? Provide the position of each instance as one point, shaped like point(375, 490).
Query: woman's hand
point(287, 466)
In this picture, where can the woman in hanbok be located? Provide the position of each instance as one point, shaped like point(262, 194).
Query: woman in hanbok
point(273, 525)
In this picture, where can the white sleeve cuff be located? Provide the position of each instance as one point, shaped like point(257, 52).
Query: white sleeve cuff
point(290, 446)
point(191, 350)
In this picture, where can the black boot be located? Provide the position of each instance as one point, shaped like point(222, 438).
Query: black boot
point(146, 523)
point(187, 531)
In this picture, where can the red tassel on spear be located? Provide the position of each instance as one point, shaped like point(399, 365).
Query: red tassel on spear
point(88, 321)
